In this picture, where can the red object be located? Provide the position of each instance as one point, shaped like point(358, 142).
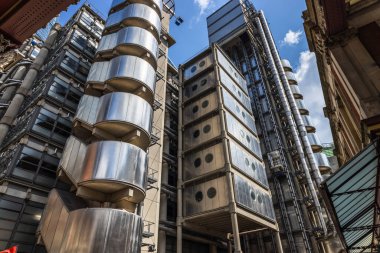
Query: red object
point(10, 250)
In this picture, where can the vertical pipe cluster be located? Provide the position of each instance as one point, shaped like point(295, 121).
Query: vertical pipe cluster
point(271, 52)
point(26, 85)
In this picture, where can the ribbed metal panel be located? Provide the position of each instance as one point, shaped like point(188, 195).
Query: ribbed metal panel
point(296, 91)
point(301, 107)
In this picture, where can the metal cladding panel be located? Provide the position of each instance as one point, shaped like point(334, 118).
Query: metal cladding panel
point(54, 219)
point(199, 86)
point(101, 230)
point(239, 111)
point(157, 3)
point(72, 159)
point(301, 107)
point(204, 161)
point(207, 196)
point(227, 19)
point(139, 12)
point(202, 132)
point(198, 67)
point(291, 77)
point(232, 71)
point(200, 108)
point(241, 134)
point(125, 107)
point(314, 141)
point(106, 166)
point(232, 87)
point(88, 108)
point(124, 73)
point(247, 163)
point(126, 37)
point(113, 112)
point(322, 161)
point(296, 91)
point(308, 124)
point(253, 198)
point(116, 165)
point(286, 64)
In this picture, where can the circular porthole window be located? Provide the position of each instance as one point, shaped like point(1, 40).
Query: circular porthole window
point(197, 162)
point(209, 158)
point(246, 161)
point(205, 104)
point(195, 109)
point(211, 192)
point(253, 195)
point(196, 133)
point(248, 139)
point(195, 87)
point(237, 108)
point(236, 75)
point(203, 82)
point(253, 166)
point(207, 129)
point(199, 196)
point(260, 199)
point(234, 87)
point(202, 63)
point(193, 69)
point(239, 93)
point(241, 133)
point(243, 114)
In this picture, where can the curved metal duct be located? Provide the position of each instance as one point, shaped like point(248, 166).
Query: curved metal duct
point(286, 65)
point(119, 4)
point(301, 107)
point(323, 163)
point(308, 124)
point(296, 91)
point(124, 73)
point(291, 77)
point(139, 15)
point(102, 230)
point(315, 144)
point(114, 114)
point(129, 41)
point(109, 168)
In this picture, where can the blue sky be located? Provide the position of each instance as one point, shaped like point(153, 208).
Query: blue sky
point(286, 23)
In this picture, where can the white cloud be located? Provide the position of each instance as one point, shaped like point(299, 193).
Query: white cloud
point(310, 85)
point(292, 37)
point(203, 5)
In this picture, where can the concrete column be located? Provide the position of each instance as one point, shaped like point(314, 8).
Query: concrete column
point(278, 242)
point(161, 242)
